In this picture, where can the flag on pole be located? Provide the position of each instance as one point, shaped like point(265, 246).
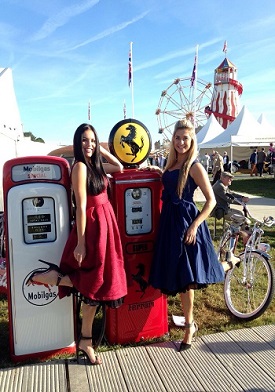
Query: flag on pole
point(225, 47)
point(130, 67)
point(89, 111)
point(194, 73)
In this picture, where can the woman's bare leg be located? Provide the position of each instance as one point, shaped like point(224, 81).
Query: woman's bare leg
point(88, 315)
point(187, 303)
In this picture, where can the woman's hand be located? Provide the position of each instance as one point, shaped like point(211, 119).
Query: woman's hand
point(80, 253)
point(190, 236)
point(152, 168)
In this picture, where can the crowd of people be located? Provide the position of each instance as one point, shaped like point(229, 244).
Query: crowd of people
point(259, 158)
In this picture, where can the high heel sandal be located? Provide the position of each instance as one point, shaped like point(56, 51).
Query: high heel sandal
point(52, 267)
point(185, 346)
point(232, 260)
point(78, 350)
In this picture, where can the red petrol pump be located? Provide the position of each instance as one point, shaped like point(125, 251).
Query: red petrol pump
point(136, 201)
point(37, 224)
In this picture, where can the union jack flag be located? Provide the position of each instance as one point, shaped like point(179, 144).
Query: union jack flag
point(193, 77)
point(225, 47)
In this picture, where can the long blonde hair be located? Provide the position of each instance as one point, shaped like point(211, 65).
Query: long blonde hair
point(191, 153)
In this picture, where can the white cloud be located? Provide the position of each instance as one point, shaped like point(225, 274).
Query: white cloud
point(62, 18)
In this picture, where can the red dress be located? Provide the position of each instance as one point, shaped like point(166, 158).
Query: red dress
point(101, 276)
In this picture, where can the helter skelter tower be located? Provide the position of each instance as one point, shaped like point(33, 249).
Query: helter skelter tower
point(226, 93)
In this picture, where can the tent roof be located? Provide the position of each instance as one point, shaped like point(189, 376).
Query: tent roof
point(10, 120)
point(245, 130)
point(210, 130)
point(264, 122)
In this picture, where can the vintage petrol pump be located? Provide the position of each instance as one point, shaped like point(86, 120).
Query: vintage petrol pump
point(37, 224)
point(136, 201)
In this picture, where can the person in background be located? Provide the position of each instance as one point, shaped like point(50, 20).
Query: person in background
point(155, 160)
point(253, 163)
point(185, 259)
point(162, 161)
point(271, 157)
point(261, 158)
point(225, 161)
point(92, 262)
point(217, 167)
point(205, 161)
point(224, 197)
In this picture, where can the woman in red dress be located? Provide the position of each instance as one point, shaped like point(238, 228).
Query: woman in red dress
point(92, 261)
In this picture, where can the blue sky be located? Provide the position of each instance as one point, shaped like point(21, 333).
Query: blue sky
point(65, 53)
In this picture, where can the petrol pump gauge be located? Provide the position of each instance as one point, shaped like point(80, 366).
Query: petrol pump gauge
point(130, 142)
point(138, 209)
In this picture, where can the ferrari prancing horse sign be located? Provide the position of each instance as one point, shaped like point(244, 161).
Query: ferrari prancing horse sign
point(130, 142)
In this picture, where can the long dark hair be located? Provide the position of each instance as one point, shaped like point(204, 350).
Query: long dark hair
point(96, 176)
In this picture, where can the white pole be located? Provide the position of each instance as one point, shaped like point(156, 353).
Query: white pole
point(131, 77)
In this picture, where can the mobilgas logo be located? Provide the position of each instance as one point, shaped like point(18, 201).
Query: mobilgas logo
point(38, 294)
point(37, 168)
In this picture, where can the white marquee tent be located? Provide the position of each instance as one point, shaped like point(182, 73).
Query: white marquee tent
point(266, 125)
point(210, 130)
point(244, 131)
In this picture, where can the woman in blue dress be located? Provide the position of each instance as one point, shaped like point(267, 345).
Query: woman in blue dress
point(185, 258)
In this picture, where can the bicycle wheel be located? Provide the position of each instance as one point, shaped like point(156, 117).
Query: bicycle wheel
point(249, 291)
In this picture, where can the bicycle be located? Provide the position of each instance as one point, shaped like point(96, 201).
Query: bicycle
point(248, 286)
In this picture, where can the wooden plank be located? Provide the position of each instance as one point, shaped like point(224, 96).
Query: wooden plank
point(267, 333)
point(138, 370)
point(108, 376)
point(172, 368)
point(78, 379)
point(209, 371)
point(46, 377)
point(257, 349)
point(242, 367)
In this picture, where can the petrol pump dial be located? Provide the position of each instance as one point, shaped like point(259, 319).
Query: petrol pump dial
point(138, 209)
point(38, 219)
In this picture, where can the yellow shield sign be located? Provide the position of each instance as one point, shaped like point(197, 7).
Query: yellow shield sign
point(130, 142)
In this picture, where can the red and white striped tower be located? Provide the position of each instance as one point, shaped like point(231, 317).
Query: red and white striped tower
point(227, 91)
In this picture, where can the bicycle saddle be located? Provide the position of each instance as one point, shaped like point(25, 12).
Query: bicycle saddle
point(239, 219)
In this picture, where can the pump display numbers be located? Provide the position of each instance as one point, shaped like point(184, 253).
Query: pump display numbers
point(39, 219)
point(39, 229)
point(138, 211)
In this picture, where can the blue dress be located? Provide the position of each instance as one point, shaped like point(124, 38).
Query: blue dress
point(176, 265)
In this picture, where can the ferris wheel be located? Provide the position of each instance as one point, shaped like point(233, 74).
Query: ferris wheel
point(182, 99)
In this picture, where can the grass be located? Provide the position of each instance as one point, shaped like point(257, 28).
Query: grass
point(259, 186)
point(210, 310)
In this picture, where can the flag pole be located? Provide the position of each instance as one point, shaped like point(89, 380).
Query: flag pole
point(89, 110)
point(194, 85)
point(131, 77)
point(124, 109)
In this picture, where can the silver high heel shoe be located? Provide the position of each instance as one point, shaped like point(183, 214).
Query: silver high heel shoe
point(185, 346)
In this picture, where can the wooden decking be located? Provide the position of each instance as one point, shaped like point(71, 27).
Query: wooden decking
point(240, 360)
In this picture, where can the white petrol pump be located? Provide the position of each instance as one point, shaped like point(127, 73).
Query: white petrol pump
point(37, 224)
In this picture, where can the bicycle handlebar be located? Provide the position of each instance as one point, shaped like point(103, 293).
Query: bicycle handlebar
point(267, 221)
